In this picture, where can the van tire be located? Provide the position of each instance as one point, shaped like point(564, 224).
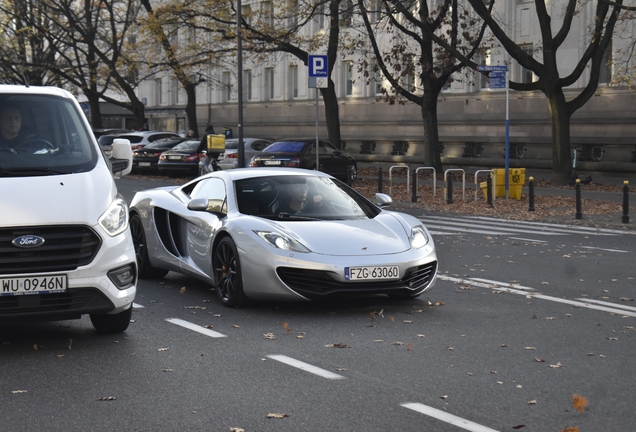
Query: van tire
point(146, 270)
point(116, 323)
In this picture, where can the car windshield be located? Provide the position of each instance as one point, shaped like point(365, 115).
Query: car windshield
point(187, 146)
point(301, 198)
point(285, 146)
point(43, 135)
point(164, 143)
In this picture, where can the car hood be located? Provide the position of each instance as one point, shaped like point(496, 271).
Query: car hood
point(381, 235)
point(62, 199)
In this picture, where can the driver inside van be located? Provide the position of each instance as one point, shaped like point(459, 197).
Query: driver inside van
point(11, 134)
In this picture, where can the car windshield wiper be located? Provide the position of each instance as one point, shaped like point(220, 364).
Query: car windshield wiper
point(288, 216)
point(34, 171)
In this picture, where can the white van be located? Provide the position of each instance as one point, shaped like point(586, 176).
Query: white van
point(65, 246)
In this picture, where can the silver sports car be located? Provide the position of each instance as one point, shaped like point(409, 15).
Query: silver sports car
point(280, 234)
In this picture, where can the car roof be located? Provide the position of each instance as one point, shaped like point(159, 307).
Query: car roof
point(255, 172)
point(147, 133)
point(36, 90)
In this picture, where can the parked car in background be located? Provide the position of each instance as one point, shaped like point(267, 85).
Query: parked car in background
point(147, 158)
point(108, 131)
point(251, 146)
point(106, 141)
point(301, 153)
point(143, 138)
point(182, 159)
point(234, 230)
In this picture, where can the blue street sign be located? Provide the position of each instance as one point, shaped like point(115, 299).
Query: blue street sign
point(483, 68)
point(497, 79)
point(318, 66)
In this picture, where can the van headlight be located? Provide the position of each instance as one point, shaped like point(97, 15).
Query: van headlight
point(418, 237)
point(115, 219)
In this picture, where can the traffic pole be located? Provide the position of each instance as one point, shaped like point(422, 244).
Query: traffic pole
point(625, 202)
point(579, 211)
point(531, 194)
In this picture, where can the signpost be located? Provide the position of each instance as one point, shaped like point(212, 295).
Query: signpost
point(318, 78)
point(499, 79)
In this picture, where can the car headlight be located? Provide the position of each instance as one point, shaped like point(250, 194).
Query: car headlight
point(418, 237)
point(282, 241)
point(115, 219)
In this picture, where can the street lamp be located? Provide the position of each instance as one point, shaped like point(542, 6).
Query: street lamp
point(239, 45)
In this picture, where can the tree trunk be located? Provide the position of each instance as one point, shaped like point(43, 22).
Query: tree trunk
point(432, 153)
point(96, 114)
point(139, 111)
point(332, 115)
point(191, 109)
point(561, 156)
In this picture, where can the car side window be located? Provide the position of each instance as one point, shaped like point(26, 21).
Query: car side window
point(321, 148)
point(214, 190)
point(259, 145)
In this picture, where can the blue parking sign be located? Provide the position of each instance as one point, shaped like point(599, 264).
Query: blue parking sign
point(318, 66)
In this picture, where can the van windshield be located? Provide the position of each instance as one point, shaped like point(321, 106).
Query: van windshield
point(43, 135)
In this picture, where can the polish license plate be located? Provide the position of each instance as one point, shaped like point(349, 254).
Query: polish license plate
point(32, 285)
point(175, 157)
point(372, 273)
point(271, 162)
point(145, 164)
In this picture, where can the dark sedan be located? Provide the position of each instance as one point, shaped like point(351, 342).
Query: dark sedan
point(181, 159)
point(301, 153)
point(147, 158)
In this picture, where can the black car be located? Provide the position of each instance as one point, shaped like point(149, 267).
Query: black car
point(181, 159)
point(301, 153)
point(147, 158)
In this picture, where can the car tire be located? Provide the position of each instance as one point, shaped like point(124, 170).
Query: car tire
point(145, 269)
point(115, 323)
point(228, 278)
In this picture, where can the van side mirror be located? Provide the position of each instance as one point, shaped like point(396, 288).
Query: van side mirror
point(121, 157)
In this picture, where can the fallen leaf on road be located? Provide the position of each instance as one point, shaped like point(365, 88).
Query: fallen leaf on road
point(18, 391)
point(107, 398)
point(391, 318)
point(539, 359)
point(269, 336)
point(182, 290)
point(163, 349)
point(300, 336)
point(235, 429)
point(408, 322)
point(612, 338)
point(341, 345)
point(420, 336)
point(286, 327)
point(277, 415)
point(579, 402)
point(409, 347)
point(554, 366)
point(530, 348)
point(167, 370)
point(397, 343)
point(444, 397)
point(378, 340)
point(35, 347)
point(532, 402)
point(626, 299)
point(571, 429)
point(450, 348)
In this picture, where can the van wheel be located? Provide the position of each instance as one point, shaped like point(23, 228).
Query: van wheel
point(146, 270)
point(116, 323)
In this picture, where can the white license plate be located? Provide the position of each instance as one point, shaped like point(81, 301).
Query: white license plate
point(144, 163)
point(372, 273)
point(32, 285)
point(269, 162)
point(174, 157)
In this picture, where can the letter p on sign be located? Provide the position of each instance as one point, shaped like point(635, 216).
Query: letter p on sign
point(318, 66)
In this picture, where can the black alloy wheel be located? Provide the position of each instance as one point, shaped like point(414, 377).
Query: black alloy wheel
point(227, 274)
point(146, 270)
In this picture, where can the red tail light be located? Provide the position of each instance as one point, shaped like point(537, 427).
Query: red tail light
point(294, 163)
point(192, 158)
point(232, 156)
point(137, 147)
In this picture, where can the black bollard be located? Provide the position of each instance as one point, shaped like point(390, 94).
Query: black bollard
point(626, 202)
point(531, 194)
point(489, 190)
point(414, 187)
point(579, 211)
point(379, 179)
point(449, 189)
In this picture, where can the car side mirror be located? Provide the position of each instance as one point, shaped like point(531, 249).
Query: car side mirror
point(383, 200)
point(121, 157)
point(207, 205)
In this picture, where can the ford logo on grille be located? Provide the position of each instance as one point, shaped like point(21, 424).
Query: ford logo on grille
point(28, 241)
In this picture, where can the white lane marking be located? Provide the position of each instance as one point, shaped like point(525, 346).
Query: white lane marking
point(528, 240)
point(446, 417)
point(138, 306)
point(196, 328)
point(539, 296)
point(521, 287)
point(441, 233)
point(606, 250)
point(575, 228)
point(469, 227)
point(305, 366)
point(603, 303)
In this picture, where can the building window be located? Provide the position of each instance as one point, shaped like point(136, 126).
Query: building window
point(159, 92)
point(346, 13)
point(247, 85)
point(375, 10)
point(376, 81)
point(320, 16)
point(269, 83)
point(348, 78)
point(525, 75)
point(408, 77)
point(227, 87)
point(481, 79)
point(605, 72)
point(293, 81)
point(246, 14)
point(268, 13)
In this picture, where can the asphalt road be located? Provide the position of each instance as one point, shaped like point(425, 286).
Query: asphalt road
point(522, 318)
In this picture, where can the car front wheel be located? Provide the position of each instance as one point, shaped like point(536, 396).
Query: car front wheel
point(227, 274)
point(146, 270)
